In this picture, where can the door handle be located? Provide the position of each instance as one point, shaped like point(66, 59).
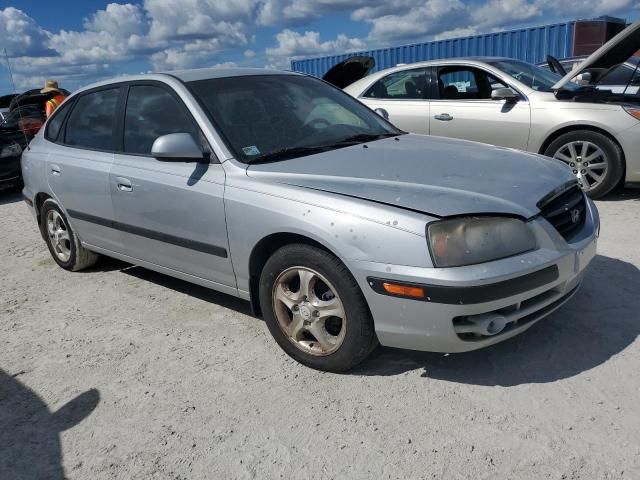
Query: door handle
point(55, 170)
point(445, 117)
point(124, 185)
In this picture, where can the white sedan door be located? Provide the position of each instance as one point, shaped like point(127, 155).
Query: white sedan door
point(464, 109)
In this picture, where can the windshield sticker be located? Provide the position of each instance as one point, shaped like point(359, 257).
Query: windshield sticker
point(251, 151)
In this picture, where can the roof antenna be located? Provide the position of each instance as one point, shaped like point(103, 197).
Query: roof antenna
point(15, 90)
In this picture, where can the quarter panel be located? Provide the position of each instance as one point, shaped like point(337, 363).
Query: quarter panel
point(350, 228)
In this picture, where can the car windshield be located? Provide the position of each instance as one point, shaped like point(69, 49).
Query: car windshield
point(532, 76)
point(273, 117)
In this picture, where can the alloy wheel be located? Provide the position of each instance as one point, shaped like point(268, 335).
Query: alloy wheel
point(309, 311)
point(58, 234)
point(587, 161)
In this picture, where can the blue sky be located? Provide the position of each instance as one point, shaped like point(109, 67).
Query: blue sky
point(80, 41)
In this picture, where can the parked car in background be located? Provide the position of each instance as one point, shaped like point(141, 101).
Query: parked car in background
point(16, 130)
point(5, 103)
point(281, 189)
point(514, 104)
point(24, 116)
point(623, 78)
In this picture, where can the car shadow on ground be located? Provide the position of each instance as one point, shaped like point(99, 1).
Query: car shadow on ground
point(187, 288)
point(30, 432)
point(598, 323)
point(9, 196)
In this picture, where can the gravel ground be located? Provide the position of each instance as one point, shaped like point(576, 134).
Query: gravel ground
point(119, 372)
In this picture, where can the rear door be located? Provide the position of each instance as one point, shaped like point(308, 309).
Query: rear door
point(80, 158)
point(461, 107)
point(170, 214)
point(403, 95)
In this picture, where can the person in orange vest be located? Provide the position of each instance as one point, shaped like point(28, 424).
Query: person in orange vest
point(52, 103)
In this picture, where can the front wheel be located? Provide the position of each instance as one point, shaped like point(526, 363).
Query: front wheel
point(594, 158)
point(315, 310)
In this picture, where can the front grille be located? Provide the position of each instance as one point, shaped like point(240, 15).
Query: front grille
point(566, 211)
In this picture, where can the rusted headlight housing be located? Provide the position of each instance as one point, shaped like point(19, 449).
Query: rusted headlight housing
point(472, 240)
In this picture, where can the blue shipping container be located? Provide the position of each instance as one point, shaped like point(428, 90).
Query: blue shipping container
point(529, 44)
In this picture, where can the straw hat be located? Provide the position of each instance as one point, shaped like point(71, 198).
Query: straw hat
point(50, 86)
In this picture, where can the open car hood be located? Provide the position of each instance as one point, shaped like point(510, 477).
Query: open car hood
point(349, 71)
point(614, 52)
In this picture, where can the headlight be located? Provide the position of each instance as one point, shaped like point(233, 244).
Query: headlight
point(472, 240)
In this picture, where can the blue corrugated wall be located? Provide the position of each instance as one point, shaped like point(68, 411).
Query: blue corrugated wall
point(529, 44)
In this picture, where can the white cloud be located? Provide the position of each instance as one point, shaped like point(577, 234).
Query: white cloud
point(294, 12)
point(496, 13)
point(293, 44)
point(20, 34)
point(249, 53)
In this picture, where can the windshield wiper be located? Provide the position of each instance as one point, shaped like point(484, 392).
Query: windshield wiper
point(365, 137)
point(285, 153)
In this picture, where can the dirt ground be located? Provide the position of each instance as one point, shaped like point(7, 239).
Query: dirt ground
point(122, 373)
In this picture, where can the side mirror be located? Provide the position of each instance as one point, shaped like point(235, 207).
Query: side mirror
point(177, 147)
point(583, 79)
point(382, 112)
point(504, 94)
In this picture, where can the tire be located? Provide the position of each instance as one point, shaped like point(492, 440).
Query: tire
point(348, 337)
point(611, 157)
point(67, 252)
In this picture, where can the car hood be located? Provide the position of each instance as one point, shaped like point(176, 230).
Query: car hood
point(614, 52)
point(433, 175)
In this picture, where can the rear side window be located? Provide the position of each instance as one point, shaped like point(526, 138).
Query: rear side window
point(56, 121)
point(92, 120)
point(153, 112)
point(405, 85)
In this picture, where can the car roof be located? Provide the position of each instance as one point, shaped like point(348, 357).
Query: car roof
point(189, 75)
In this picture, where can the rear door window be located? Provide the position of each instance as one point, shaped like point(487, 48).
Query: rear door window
point(152, 112)
point(92, 120)
point(405, 85)
point(56, 121)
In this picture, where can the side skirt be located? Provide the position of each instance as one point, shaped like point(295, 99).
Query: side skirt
point(173, 273)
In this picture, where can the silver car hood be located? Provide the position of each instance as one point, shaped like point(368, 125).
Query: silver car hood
point(614, 52)
point(433, 175)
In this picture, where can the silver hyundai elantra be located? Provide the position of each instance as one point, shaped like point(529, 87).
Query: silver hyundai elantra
point(341, 230)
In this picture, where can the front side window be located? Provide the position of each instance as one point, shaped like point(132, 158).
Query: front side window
point(92, 120)
point(405, 85)
point(466, 83)
point(271, 117)
point(152, 112)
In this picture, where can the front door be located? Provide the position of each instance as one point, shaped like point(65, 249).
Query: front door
point(462, 108)
point(403, 95)
point(170, 214)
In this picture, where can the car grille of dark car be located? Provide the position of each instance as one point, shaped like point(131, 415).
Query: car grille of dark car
point(566, 211)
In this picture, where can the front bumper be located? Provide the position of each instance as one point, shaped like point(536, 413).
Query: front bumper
point(520, 290)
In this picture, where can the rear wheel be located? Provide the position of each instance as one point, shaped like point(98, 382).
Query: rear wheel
point(62, 241)
point(315, 310)
point(594, 158)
